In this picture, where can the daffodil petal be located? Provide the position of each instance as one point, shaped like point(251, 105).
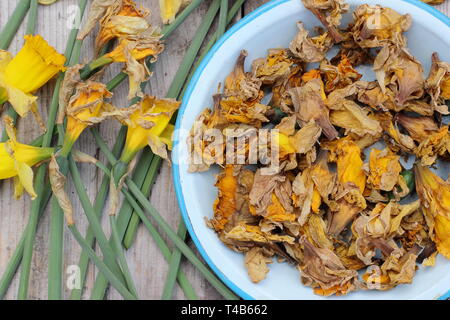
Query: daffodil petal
point(169, 9)
point(18, 188)
point(158, 146)
point(25, 174)
point(20, 101)
point(5, 59)
point(166, 135)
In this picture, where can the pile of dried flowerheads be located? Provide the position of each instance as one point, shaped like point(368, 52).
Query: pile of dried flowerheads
point(326, 209)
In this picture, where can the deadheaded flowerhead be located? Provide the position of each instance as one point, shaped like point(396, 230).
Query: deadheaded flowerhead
point(309, 103)
point(329, 12)
point(310, 49)
point(376, 26)
point(437, 84)
point(397, 69)
point(434, 193)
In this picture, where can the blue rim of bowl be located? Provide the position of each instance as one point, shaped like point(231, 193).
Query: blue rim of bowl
point(175, 168)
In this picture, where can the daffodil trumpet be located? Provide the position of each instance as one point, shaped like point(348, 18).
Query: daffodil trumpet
point(85, 108)
point(148, 123)
point(16, 160)
point(33, 66)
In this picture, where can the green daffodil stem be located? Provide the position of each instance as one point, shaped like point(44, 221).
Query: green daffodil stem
point(101, 282)
point(102, 266)
point(13, 24)
point(108, 253)
point(174, 265)
point(56, 239)
point(32, 17)
point(146, 187)
point(187, 288)
point(117, 243)
point(40, 176)
point(99, 204)
point(222, 17)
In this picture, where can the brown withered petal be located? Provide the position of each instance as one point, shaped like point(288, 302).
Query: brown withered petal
point(309, 103)
point(96, 12)
point(437, 144)
point(437, 85)
point(256, 260)
point(355, 119)
point(275, 66)
point(329, 12)
point(384, 168)
point(240, 84)
point(305, 138)
point(248, 233)
point(419, 128)
point(323, 270)
point(315, 230)
point(376, 26)
point(263, 186)
point(397, 69)
point(339, 76)
point(310, 49)
point(398, 139)
point(58, 184)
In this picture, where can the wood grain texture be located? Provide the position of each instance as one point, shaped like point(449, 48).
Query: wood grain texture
point(146, 262)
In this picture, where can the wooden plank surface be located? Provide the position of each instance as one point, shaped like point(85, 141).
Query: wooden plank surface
point(146, 262)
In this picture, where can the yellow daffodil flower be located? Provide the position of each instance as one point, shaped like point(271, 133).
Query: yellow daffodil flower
point(16, 160)
point(85, 108)
point(148, 124)
point(33, 66)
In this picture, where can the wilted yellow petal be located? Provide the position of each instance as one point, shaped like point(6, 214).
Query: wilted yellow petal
point(347, 155)
point(168, 9)
point(25, 174)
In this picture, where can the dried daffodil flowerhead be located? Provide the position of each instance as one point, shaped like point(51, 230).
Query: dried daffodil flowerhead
point(16, 160)
point(86, 108)
point(33, 66)
point(376, 26)
point(170, 8)
point(117, 19)
point(434, 194)
point(121, 20)
point(148, 124)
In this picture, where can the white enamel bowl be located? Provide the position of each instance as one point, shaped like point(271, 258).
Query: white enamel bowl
point(274, 25)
